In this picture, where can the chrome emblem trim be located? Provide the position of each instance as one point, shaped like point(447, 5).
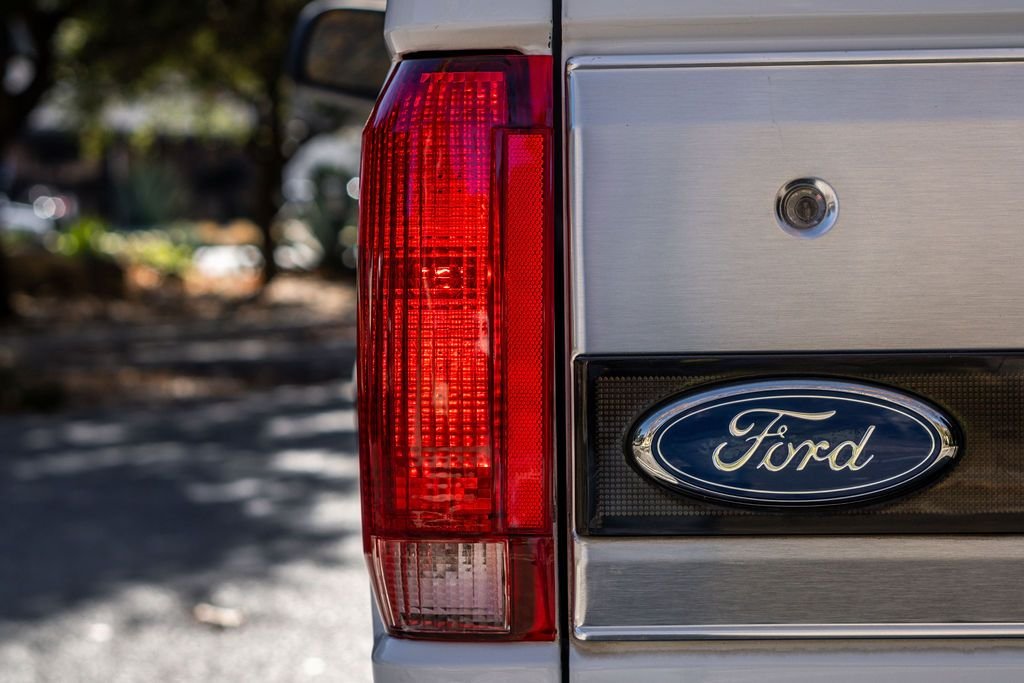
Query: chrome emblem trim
point(671, 632)
point(793, 443)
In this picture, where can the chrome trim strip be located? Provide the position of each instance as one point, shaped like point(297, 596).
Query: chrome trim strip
point(587, 62)
point(796, 631)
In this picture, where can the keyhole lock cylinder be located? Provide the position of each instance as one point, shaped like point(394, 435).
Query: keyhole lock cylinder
point(806, 207)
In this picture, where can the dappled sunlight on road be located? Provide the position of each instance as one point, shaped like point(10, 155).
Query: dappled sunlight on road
point(118, 524)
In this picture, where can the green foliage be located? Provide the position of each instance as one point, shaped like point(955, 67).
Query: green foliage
point(91, 53)
point(168, 250)
point(82, 239)
point(184, 58)
point(125, 48)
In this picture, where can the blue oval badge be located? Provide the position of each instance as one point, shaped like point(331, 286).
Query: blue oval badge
point(793, 443)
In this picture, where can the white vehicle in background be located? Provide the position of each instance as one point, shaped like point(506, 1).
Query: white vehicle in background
point(690, 336)
point(26, 218)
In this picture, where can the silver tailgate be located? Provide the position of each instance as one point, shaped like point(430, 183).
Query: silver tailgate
point(674, 165)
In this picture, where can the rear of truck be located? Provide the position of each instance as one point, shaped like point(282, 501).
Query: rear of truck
point(576, 212)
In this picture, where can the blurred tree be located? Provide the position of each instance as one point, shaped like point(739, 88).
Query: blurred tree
point(27, 53)
point(116, 48)
point(233, 47)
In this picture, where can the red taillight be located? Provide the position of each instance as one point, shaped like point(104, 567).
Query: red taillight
point(455, 348)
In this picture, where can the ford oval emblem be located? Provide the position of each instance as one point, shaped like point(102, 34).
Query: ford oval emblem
point(789, 443)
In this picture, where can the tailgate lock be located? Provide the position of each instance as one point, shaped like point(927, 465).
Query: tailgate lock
point(806, 207)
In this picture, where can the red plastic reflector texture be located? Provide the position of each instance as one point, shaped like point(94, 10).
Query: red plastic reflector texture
point(527, 342)
point(455, 348)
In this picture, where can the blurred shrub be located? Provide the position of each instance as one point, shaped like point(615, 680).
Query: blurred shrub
point(165, 250)
point(82, 239)
point(63, 263)
point(89, 257)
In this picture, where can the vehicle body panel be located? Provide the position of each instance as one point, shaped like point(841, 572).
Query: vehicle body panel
point(645, 271)
point(653, 272)
point(651, 27)
point(431, 26)
point(396, 660)
point(813, 586)
point(660, 268)
point(939, 661)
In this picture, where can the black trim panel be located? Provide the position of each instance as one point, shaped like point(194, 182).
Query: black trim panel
point(983, 392)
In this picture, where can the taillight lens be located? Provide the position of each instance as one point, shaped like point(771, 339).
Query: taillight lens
point(455, 348)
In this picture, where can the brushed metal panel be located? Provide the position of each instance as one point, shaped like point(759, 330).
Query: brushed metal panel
point(673, 174)
point(903, 661)
point(691, 26)
point(670, 632)
point(910, 586)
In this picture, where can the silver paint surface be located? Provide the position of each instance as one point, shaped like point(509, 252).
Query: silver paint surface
point(877, 661)
point(744, 587)
point(399, 660)
point(674, 165)
point(648, 27)
point(451, 25)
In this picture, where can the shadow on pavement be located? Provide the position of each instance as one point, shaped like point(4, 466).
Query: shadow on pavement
point(95, 500)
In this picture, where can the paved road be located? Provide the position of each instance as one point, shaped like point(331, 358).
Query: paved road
point(116, 524)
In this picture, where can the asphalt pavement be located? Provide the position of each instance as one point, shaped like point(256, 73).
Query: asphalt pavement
point(215, 540)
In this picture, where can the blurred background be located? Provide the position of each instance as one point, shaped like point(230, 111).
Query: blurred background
point(178, 474)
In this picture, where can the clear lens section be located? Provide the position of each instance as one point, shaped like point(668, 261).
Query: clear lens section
point(444, 586)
